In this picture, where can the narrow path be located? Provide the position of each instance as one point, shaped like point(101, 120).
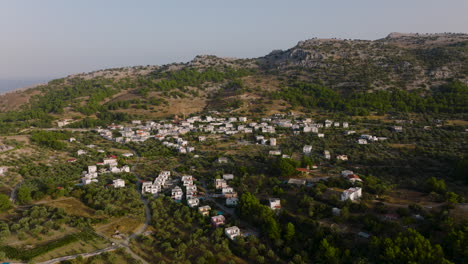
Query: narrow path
point(84, 255)
point(14, 192)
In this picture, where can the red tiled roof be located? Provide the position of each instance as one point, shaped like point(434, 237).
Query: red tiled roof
point(303, 169)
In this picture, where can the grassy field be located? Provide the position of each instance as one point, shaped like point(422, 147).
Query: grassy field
point(403, 146)
point(74, 248)
point(73, 243)
point(457, 122)
point(72, 206)
point(125, 225)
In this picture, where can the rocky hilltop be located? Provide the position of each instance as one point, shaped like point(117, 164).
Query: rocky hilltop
point(343, 67)
point(406, 61)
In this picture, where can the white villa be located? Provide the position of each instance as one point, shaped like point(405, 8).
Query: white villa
point(351, 194)
point(342, 157)
point(275, 203)
point(220, 183)
point(232, 201)
point(307, 149)
point(228, 176)
point(118, 183)
point(204, 210)
point(177, 193)
point(232, 232)
point(193, 202)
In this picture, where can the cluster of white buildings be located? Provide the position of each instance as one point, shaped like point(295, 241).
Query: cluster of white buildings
point(109, 165)
point(227, 191)
point(191, 193)
point(364, 139)
point(213, 125)
point(159, 183)
point(180, 145)
point(264, 141)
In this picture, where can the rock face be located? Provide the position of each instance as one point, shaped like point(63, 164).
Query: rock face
point(402, 60)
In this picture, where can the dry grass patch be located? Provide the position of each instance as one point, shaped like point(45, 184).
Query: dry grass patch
point(403, 146)
point(73, 248)
point(125, 225)
point(457, 122)
point(72, 206)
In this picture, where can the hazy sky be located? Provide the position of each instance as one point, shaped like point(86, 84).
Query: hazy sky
point(54, 38)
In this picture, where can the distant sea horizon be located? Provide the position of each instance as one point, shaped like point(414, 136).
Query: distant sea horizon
point(12, 85)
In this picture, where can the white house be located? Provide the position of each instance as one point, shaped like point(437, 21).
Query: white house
point(149, 187)
point(222, 160)
point(275, 203)
point(88, 180)
point(345, 173)
point(218, 220)
point(110, 161)
point(187, 180)
point(193, 202)
point(342, 157)
point(326, 154)
point(191, 188)
point(226, 190)
point(297, 182)
point(228, 176)
point(351, 194)
point(220, 183)
point(272, 141)
point(81, 152)
point(125, 169)
point(177, 193)
point(274, 152)
point(115, 170)
point(362, 141)
point(232, 201)
point(307, 149)
point(320, 135)
point(204, 210)
point(92, 169)
point(232, 232)
point(397, 129)
point(118, 183)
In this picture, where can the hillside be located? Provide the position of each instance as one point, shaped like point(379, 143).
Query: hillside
point(402, 72)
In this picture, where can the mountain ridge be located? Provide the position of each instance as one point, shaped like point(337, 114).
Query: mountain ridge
point(407, 62)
